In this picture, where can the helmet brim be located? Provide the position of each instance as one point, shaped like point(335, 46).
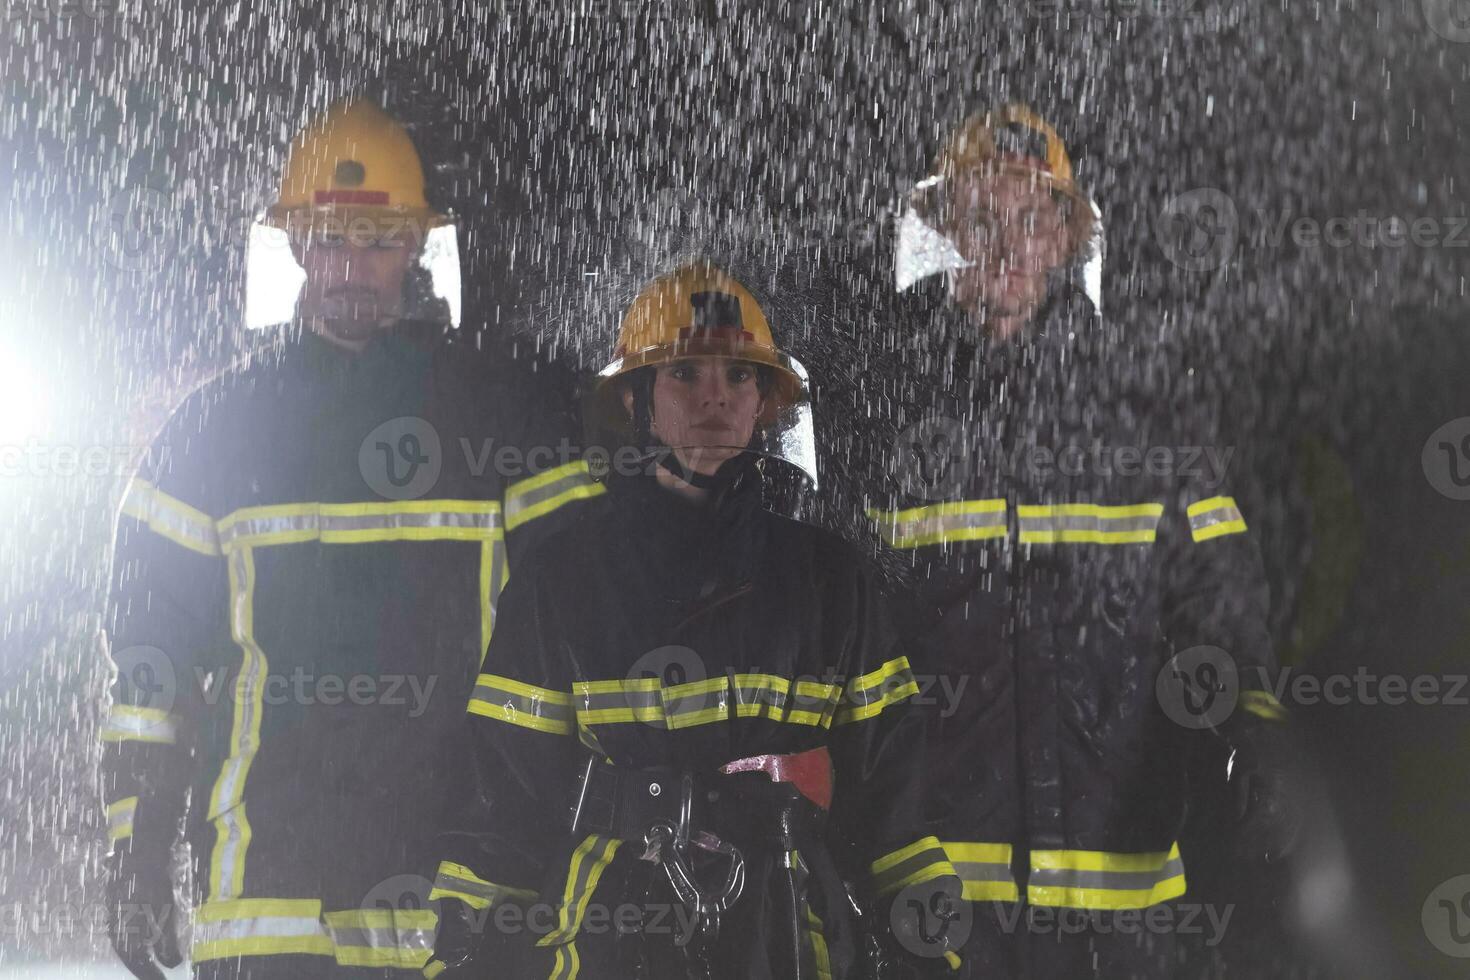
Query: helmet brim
point(789, 381)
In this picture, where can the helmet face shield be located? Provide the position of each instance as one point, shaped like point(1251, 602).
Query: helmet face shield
point(282, 256)
point(938, 233)
point(622, 442)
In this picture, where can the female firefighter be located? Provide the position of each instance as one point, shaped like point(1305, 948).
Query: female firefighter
point(683, 691)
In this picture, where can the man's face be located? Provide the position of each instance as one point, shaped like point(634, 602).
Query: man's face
point(705, 408)
point(353, 290)
point(1014, 231)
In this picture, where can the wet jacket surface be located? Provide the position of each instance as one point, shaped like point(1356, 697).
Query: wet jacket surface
point(301, 599)
point(1064, 533)
point(657, 633)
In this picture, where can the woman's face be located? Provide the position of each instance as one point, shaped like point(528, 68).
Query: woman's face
point(705, 408)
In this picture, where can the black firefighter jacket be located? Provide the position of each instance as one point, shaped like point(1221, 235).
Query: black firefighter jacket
point(1066, 532)
point(305, 580)
point(656, 633)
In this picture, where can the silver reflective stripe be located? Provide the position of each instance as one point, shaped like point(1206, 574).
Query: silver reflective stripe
point(126, 723)
point(120, 818)
point(521, 701)
point(328, 521)
point(1088, 523)
point(893, 677)
point(171, 517)
point(682, 708)
point(1113, 880)
point(256, 927)
point(941, 523)
point(519, 503)
point(247, 697)
point(755, 695)
point(1223, 513)
point(383, 937)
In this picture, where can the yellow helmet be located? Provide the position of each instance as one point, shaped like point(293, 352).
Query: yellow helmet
point(1015, 139)
point(355, 163)
point(696, 310)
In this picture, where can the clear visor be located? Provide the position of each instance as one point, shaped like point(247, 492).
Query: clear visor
point(784, 433)
point(928, 241)
point(275, 279)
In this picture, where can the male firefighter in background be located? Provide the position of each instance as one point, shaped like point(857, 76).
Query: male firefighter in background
point(1036, 477)
point(304, 587)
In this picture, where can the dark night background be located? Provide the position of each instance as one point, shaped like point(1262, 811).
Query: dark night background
point(585, 146)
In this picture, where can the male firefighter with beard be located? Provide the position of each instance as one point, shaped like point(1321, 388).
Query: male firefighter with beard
point(304, 586)
point(1096, 606)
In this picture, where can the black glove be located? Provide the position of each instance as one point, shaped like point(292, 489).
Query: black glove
point(922, 931)
point(142, 920)
point(461, 930)
point(1266, 778)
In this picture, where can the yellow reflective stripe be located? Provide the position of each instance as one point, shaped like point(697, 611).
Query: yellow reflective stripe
point(170, 517)
point(818, 940)
point(679, 706)
point(943, 523)
point(984, 870)
point(537, 496)
point(1262, 704)
point(566, 964)
point(434, 968)
point(1105, 879)
point(1214, 518)
point(259, 927)
point(923, 860)
point(120, 818)
point(247, 694)
point(494, 572)
point(582, 879)
point(1081, 523)
point(130, 723)
point(871, 693)
point(358, 523)
point(457, 881)
point(514, 702)
point(399, 938)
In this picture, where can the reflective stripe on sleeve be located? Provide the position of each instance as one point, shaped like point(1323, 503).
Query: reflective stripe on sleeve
point(1104, 879)
point(923, 860)
point(871, 693)
point(1088, 523)
point(120, 818)
point(395, 938)
point(1214, 518)
point(516, 703)
point(458, 881)
point(1262, 704)
point(944, 523)
point(361, 523)
point(984, 869)
point(171, 517)
point(537, 496)
point(127, 723)
point(259, 927)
